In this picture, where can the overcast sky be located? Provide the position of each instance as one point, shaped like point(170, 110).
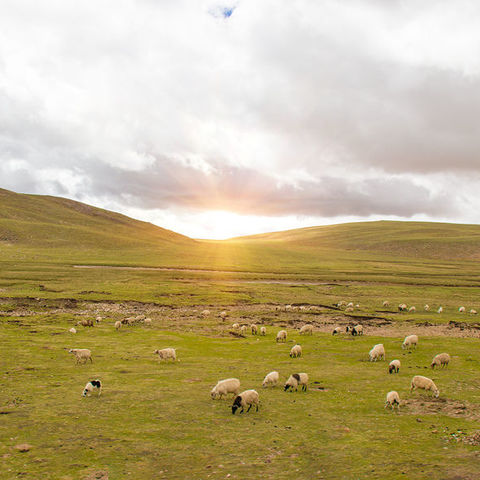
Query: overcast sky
point(217, 119)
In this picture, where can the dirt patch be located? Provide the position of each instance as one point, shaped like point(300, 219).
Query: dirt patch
point(97, 475)
point(473, 439)
point(424, 405)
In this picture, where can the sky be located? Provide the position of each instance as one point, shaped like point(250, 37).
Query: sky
point(218, 119)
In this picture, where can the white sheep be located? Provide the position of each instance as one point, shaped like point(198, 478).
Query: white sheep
point(205, 313)
point(263, 331)
point(147, 321)
point(271, 379)
point(337, 330)
point(461, 309)
point(350, 305)
point(82, 355)
point(98, 319)
point(473, 312)
point(306, 329)
point(412, 309)
point(288, 308)
point(166, 353)
point(254, 329)
point(424, 383)
point(91, 386)
point(402, 307)
point(295, 380)
point(224, 387)
point(440, 310)
point(357, 330)
point(282, 336)
point(349, 310)
point(426, 307)
point(377, 353)
point(243, 329)
point(440, 360)
point(296, 351)
point(73, 330)
point(235, 326)
point(248, 397)
point(392, 399)
point(386, 303)
point(394, 366)
point(410, 341)
point(118, 325)
point(341, 303)
point(223, 315)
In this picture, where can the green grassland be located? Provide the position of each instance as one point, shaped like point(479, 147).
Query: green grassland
point(156, 420)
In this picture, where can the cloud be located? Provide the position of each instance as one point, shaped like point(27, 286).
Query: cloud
point(273, 108)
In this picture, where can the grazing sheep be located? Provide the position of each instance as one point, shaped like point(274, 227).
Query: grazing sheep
point(350, 304)
point(440, 360)
point(147, 321)
point(254, 329)
point(425, 384)
point(263, 331)
point(235, 326)
point(440, 310)
point(288, 308)
point(394, 366)
point(270, 379)
point(306, 329)
point(205, 313)
point(392, 399)
point(140, 318)
point(98, 319)
point(473, 312)
point(426, 308)
point(224, 387)
point(412, 309)
point(341, 303)
point(295, 380)
point(410, 341)
point(91, 386)
point(349, 310)
point(357, 330)
point(86, 322)
point(128, 321)
point(118, 324)
point(282, 336)
point(223, 315)
point(402, 307)
point(82, 355)
point(248, 397)
point(73, 330)
point(243, 329)
point(296, 351)
point(461, 309)
point(166, 353)
point(337, 330)
point(386, 303)
point(377, 353)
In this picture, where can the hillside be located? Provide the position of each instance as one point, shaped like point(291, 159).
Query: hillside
point(43, 221)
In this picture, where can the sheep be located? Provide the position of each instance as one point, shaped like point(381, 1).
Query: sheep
point(98, 319)
point(147, 321)
point(357, 330)
point(386, 303)
point(426, 307)
point(461, 309)
point(282, 336)
point(473, 312)
point(394, 366)
point(296, 351)
point(412, 309)
point(243, 329)
point(166, 353)
point(223, 315)
point(224, 387)
point(140, 318)
point(82, 355)
point(425, 384)
point(410, 341)
point(350, 305)
point(235, 326)
point(86, 322)
point(402, 307)
point(288, 308)
point(271, 379)
point(377, 353)
point(349, 310)
point(442, 359)
point(337, 330)
point(90, 386)
point(118, 324)
point(73, 330)
point(306, 329)
point(263, 331)
point(248, 397)
point(440, 310)
point(392, 399)
point(295, 380)
point(205, 313)
point(254, 329)
point(341, 303)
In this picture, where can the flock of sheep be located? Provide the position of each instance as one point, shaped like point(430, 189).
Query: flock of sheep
point(250, 398)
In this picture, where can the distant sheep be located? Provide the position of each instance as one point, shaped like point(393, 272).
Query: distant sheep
point(426, 308)
point(73, 330)
point(224, 387)
point(473, 312)
point(461, 309)
point(166, 354)
point(440, 310)
point(349, 305)
point(223, 315)
point(377, 353)
point(118, 324)
point(248, 397)
point(243, 329)
point(295, 380)
point(296, 351)
point(271, 379)
point(392, 399)
point(282, 336)
point(254, 329)
point(263, 331)
point(349, 310)
point(91, 386)
point(424, 383)
point(337, 330)
point(386, 303)
point(357, 330)
point(306, 329)
point(412, 309)
point(205, 313)
point(235, 326)
point(402, 307)
point(410, 341)
point(394, 366)
point(86, 322)
point(98, 319)
point(82, 355)
point(440, 360)
point(341, 303)
point(147, 321)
